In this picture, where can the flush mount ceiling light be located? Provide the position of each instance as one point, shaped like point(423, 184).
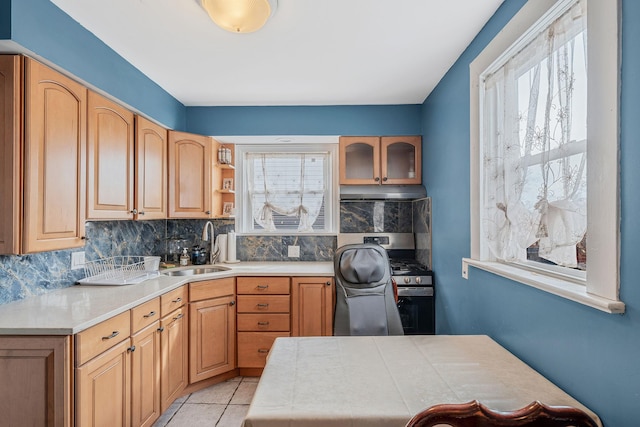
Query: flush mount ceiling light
point(240, 16)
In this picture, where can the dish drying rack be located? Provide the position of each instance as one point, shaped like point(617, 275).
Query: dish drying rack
point(117, 270)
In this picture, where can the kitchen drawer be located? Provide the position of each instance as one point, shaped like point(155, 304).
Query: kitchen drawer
point(172, 300)
point(263, 285)
point(263, 322)
point(101, 337)
point(208, 289)
point(145, 314)
point(253, 347)
point(263, 303)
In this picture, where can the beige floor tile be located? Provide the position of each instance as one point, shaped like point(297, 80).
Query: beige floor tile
point(244, 393)
point(194, 415)
point(219, 393)
point(166, 415)
point(233, 416)
point(250, 379)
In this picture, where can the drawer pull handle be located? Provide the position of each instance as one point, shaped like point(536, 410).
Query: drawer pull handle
point(262, 287)
point(263, 323)
point(113, 335)
point(151, 314)
point(179, 316)
point(177, 300)
point(262, 305)
point(263, 350)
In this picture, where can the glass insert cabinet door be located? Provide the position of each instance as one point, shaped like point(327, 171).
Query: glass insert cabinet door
point(380, 160)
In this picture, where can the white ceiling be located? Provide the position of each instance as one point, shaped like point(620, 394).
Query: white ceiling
point(311, 52)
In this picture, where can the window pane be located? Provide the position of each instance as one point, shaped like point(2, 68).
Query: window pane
point(534, 147)
point(287, 190)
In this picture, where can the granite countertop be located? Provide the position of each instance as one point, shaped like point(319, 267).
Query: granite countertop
point(71, 310)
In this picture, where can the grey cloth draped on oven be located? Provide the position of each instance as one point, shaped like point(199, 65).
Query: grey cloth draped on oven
point(365, 304)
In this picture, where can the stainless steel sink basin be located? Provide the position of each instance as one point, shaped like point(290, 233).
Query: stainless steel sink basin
point(195, 271)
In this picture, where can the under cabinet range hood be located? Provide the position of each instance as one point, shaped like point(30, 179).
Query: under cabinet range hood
point(382, 192)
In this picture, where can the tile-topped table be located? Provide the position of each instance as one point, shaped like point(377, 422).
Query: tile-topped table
point(384, 381)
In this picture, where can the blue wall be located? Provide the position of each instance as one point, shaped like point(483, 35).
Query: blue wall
point(593, 355)
point(43, 29)
point(318, 120)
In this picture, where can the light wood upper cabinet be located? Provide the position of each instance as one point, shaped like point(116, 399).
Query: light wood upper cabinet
point(380, 160)
point(151, 170)
point(54, 160)
point(110, 160)
point(312, 301)
point(190, 175)
point(10, 149)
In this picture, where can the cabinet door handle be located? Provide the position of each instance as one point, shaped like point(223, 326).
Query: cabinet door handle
point(151, 314)
point(161, 329)
point(232, 303)
point(328, 283)
point(141, 213)
point(385, 179)
point(178, 317)
point(113, 335)
point(177, 300)
point(263, 350)
point(208, 212)
point(133, 211)
point(263, 323)
point(377, 179)
point(262, 287)
point(262, 305)
point(131, 349)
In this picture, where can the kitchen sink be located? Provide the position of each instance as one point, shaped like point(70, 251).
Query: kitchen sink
point(195, 271)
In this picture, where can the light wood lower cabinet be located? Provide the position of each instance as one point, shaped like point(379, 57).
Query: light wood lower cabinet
point(103, 389)
point(145, 363)
point(174, 364)
point(35, 385)
point(212, 328)
point(263, 315)
point(312, 303)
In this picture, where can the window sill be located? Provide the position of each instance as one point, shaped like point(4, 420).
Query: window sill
point(563, 288)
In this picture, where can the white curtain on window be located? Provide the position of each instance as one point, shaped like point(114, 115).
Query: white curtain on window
point(534, 146)
point(287, 184)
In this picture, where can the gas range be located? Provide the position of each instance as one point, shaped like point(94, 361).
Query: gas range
point(410, 272)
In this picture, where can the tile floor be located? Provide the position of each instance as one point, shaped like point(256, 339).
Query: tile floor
point(222, 405)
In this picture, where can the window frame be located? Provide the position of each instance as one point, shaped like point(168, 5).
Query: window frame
point(244, 217)
point(600, 290)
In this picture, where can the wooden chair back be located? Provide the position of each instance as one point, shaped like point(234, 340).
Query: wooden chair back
point(474, 414)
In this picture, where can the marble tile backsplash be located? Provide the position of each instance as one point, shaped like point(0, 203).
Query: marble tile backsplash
point(33, 274)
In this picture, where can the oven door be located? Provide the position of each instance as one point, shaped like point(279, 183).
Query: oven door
point(417, 310)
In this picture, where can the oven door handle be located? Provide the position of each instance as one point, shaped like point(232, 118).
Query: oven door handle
point(414, 291)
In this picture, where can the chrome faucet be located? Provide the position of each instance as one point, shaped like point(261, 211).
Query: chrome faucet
point(205, 237)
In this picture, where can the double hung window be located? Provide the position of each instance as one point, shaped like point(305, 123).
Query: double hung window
point(287, 190)
point(544, 131)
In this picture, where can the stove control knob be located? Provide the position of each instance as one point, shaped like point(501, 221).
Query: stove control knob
point(418, 279)
point(407, 280)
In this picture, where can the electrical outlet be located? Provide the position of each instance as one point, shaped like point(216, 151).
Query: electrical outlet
point(77, 260)
point(293, 251)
